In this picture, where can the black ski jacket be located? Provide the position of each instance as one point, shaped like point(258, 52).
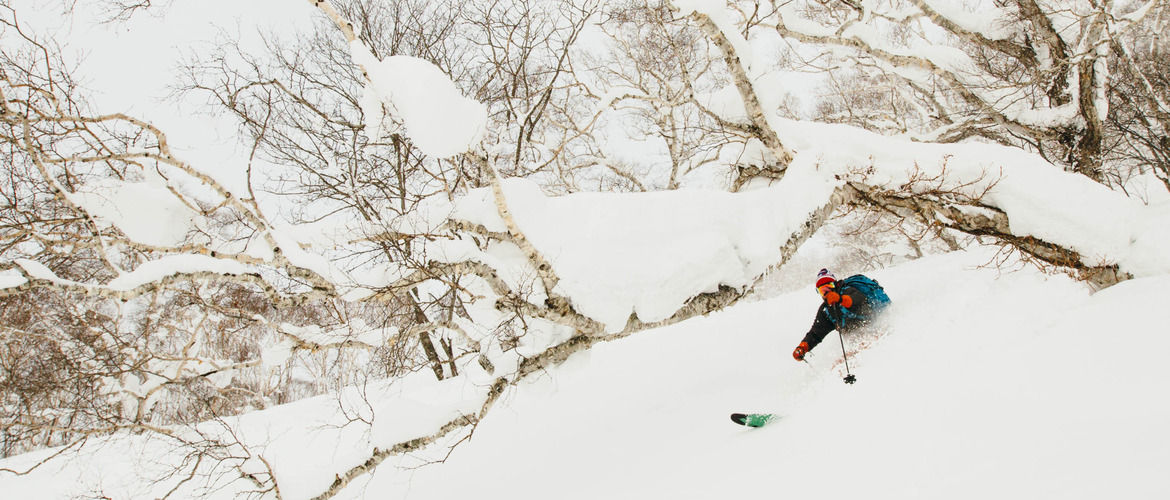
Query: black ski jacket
point(823, 324)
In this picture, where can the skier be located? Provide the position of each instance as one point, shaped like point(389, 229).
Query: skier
point(848, 304)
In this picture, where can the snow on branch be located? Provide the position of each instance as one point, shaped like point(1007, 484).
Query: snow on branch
point(736, 54)
point(982, 33)
point(639, 258)
point(1082, 224)
point(915, 66)
point(610, 251)
point(435, 115)
point(1021, 73)
point(145, 278)
point(115, 141)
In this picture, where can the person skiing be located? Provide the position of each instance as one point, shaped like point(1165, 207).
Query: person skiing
point(848, 304)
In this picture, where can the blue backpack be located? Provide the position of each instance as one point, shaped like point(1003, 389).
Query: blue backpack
point(874, 294)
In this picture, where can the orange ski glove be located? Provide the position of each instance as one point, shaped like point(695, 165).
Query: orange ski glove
point(800, 351)
point(833, 298)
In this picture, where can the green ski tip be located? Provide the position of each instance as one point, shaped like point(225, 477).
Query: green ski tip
point(753, 419)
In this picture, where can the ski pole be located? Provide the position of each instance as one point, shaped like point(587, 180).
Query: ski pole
point(849, 378)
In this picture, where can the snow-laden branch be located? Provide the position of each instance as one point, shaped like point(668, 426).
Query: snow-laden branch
point(984, 35)
point(608, 248)
point(735, 55)
point(278, 250)
point(1037, 72)
point(439, 120)
point(915, 67)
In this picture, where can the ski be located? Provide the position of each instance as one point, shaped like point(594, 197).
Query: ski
point(753, 419)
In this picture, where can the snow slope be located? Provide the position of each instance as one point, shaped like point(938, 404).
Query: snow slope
point(989, 384)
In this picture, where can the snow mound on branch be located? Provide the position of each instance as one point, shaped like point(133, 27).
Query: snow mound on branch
point(1040, 199)
point(648, 253)
point(157, 270)
point(10, 278)
point(437, 117)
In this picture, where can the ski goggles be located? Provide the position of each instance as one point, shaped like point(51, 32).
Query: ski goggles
point(823, 289)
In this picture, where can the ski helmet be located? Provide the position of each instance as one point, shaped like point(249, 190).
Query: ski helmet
point(824, 277)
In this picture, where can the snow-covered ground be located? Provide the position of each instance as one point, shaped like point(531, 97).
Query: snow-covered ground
point(989, 384)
